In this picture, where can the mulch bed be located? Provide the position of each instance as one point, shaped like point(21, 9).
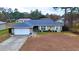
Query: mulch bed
point(51, 42)
point(76, 33)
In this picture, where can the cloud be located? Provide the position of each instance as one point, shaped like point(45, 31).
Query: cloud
point(27, 5)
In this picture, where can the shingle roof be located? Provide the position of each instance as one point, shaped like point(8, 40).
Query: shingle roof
point(44, 22)
point(39, 22)
point(22, 25)
point(2, 22)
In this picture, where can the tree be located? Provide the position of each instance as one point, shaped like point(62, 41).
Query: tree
point(36, 14)
point(26, 15)
point(65, 12)
point(71, 11)
point(2, 17)
point(17, 14)
point(16, 10)
point(53, 16)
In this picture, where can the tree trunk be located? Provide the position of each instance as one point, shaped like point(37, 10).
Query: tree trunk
point(71, 19)
point(65, 17)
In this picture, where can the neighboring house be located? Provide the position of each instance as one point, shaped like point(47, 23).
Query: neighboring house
point(41, 25)
point(22, 20)
point(2, 25)
point(1, 9)
point(61, 20)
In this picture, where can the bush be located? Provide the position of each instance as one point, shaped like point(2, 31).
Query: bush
point(65, 28)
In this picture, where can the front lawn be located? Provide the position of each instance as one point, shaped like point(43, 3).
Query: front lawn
point(42, 33)
point(4, 34)
point(3, 31)
point(52, 41)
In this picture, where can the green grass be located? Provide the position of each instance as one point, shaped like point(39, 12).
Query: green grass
point(51, 32)
point(43, 32)
point(3, 31)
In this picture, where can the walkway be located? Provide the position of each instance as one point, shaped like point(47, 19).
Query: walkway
point(14, 43)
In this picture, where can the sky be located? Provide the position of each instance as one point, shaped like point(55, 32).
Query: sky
point(44, 10)
point(45, 6)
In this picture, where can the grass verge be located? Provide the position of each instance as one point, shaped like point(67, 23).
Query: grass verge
point(4, 34)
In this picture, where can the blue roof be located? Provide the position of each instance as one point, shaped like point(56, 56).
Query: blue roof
point(39, 22)
point(22, 25)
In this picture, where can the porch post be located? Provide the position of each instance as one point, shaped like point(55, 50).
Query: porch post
point(41, 28)
point(46, 28)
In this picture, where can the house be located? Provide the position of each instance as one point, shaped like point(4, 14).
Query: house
point(1, 9)
point(61, 20)
point(40, 25)
point(2, 25)
point(22, 20)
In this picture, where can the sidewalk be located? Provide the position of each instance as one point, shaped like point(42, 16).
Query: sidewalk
point(14, 43)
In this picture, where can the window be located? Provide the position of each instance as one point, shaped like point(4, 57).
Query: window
point(43, 28)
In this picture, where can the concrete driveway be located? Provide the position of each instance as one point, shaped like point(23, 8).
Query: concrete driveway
point(14, 43)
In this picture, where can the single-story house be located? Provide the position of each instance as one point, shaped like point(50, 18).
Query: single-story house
point(41, 25)
point(2, 25)
point(22, 20)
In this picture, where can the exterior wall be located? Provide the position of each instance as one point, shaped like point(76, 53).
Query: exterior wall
point(19, 21)
point(22, 20)
point(58, 28)
point(31, 31)
point(20, 31)
point(51, 28)
point(2, 26)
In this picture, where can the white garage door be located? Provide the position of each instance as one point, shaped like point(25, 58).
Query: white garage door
point(21, 31)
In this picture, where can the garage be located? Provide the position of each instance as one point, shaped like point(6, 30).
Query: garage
point(21, 31)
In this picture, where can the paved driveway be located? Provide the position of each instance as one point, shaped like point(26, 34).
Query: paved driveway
point(14, 43)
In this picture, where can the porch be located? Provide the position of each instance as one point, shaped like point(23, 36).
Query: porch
point(47, 28)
